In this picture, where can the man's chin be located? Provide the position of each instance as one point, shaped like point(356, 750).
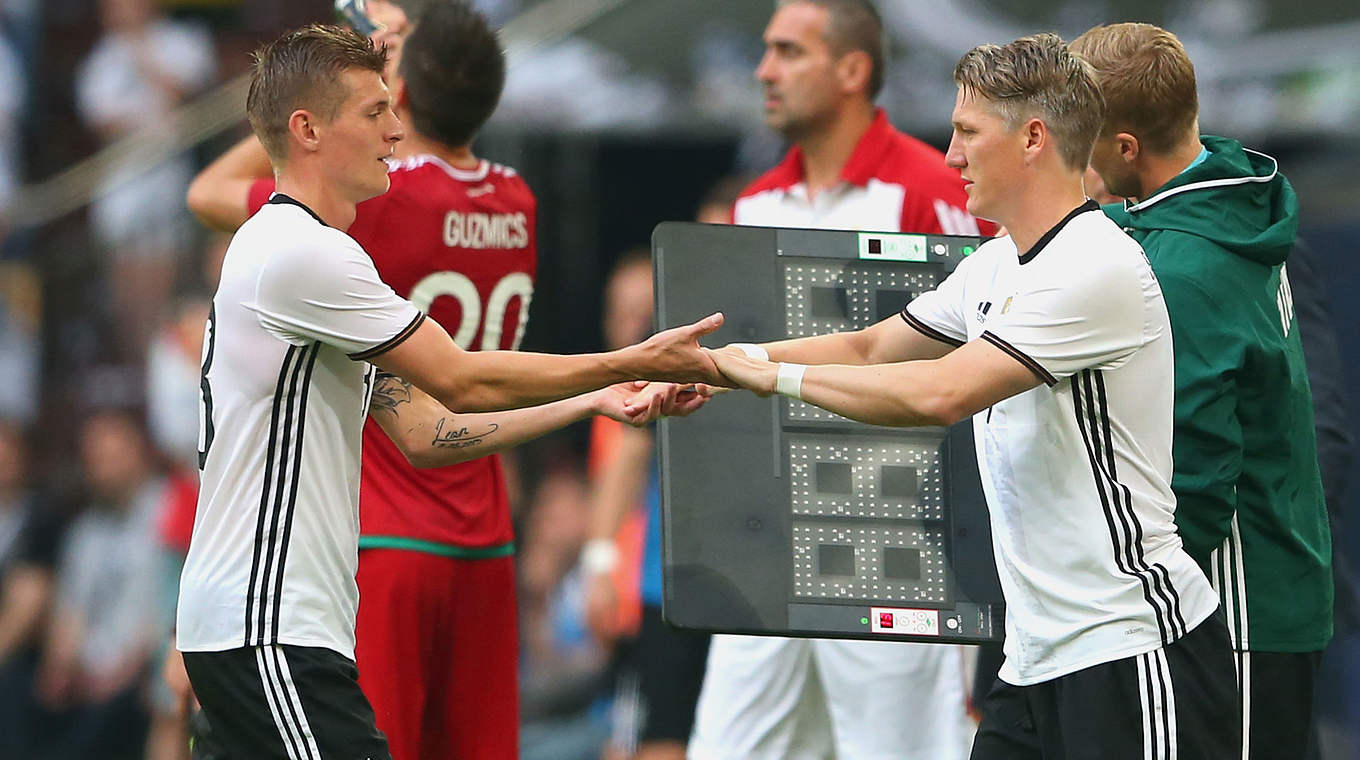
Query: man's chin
point(374, 190)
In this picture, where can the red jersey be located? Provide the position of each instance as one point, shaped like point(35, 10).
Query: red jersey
point(892, 182)
point(460, 244)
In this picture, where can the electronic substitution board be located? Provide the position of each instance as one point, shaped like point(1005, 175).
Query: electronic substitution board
point(781, 518)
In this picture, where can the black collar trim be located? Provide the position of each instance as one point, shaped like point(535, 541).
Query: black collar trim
point(1029, 255)
point(281, 199)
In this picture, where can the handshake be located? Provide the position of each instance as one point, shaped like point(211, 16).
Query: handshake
point(696, 374)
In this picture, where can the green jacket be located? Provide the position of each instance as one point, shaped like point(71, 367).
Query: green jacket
point(1249, 497)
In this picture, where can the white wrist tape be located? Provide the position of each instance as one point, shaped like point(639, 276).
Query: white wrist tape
point(789, 381)
point(752, 350)
point(599, 556)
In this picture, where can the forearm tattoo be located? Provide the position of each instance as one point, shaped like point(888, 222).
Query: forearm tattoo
point(460, 437)
point(390, 392)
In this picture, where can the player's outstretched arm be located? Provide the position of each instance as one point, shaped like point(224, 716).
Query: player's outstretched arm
point(429, 435)
point(478, 381)
point(220, 195)
point(904, 394)
point(891, 340)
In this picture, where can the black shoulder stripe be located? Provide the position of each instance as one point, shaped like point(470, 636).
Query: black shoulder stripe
point(1022, 357)
point(392, 342)
point(929, 331)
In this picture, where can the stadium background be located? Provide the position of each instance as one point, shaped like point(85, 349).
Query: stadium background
point(621, 114)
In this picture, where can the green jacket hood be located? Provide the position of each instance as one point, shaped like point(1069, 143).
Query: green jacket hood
point(1236, 198)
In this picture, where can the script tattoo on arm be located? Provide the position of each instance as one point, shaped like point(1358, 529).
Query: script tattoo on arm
point(390, 392)
point(460, 437)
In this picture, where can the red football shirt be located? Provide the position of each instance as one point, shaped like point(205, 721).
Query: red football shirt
point(460, 244)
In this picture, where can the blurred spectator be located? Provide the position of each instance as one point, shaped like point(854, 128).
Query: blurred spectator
point(142, 67)
point(173, 378)
point(107, 624)
point(660, 669)
point(562, 667)
point(577, 83)
point(173, 367)
point(13, 94)
point(716, 205)
point(20, 315)
point(29, 537)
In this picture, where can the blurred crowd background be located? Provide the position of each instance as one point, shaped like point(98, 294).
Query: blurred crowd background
point(621, 114)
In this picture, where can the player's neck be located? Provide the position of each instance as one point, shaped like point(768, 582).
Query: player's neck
point(317, 195)
point(826, 153)
point(459, 157)
point(1159, 169)
point(1039, 209)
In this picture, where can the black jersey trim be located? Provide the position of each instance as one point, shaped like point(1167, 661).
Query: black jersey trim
point(929, 331)
point(293, 489)
point(1126, 533)
point(1161, 576)
point(273, 544)
point(1030, 364)
point(392, 342)
point(273, 527)
point(262, 513)
point(1047, 237)
point(279, 199)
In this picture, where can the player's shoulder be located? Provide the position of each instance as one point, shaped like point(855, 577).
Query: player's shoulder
point(1092, 250)
point(1091, 230)
point(288, 232)
point(989, 254)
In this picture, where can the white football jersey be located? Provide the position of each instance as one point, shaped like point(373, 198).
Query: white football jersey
point(1076, 471)
point(285, 392)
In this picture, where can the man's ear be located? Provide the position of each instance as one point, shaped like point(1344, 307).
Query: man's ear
point(302, 127)
point(853, 71)
point(1129, 147)
point(1036, 137)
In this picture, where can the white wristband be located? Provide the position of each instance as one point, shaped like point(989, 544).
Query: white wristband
point(789, 381)
point(599, 556)
point(752, 350)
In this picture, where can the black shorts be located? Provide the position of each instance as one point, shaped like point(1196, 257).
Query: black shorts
point(659, 676)
point(1177, 701)
point(1279, 702)
point(279, 702)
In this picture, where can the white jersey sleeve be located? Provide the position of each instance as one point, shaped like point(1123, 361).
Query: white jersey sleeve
point(332, 294)
point(1065, 317)
point(939, 313)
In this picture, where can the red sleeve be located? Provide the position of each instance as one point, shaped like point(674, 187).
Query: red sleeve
point(260, 190)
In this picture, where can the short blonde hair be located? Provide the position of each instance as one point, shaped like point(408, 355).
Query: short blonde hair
point(1148, 82)
point(302, 69)
point(1038, 77)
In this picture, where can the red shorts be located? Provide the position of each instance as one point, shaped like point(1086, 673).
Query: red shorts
point(437, 650)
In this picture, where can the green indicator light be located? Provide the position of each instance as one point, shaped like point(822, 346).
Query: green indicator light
point(864, 621)
point(967, 250)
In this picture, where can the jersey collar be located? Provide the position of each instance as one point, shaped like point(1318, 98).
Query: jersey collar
point(862, 166)
point(1047, 238)
point(870, 151)
point(285, 200)
point(462, 175)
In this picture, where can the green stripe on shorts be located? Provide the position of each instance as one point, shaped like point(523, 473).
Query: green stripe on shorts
point(434, 547)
